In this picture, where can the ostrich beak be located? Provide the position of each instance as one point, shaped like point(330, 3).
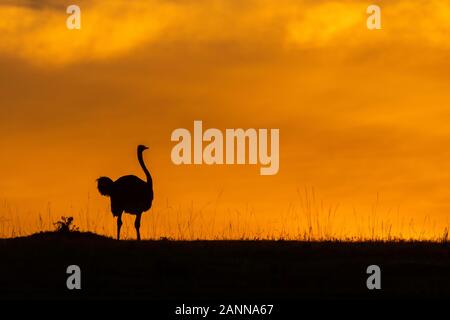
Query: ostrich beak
point(145, 147)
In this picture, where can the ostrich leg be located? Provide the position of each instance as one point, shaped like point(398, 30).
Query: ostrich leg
point(119, 225)
point(137, 225)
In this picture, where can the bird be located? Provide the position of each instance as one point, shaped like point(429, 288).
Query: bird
point(129, 194)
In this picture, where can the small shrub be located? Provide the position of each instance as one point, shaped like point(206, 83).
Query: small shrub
point(65, 225)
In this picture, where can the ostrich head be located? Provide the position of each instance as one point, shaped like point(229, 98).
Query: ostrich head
point(142, 148)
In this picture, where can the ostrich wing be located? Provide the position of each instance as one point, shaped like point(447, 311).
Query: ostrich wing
point(132, 194)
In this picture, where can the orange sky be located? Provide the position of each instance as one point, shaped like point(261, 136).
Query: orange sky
point(362, 114)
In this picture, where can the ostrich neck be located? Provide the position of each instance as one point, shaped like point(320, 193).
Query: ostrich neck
point(147, 174)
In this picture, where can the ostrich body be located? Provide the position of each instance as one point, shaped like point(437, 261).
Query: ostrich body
point(129, 194)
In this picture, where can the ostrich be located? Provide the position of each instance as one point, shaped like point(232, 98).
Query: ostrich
point(129, 194)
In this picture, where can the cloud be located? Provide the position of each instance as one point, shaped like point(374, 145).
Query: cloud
point(108, 29)
point(113, 28)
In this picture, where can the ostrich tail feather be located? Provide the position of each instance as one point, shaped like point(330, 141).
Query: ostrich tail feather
point(105, 185)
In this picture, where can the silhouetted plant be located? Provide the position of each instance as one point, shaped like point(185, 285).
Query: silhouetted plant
point(65, 225)
point(445, 236)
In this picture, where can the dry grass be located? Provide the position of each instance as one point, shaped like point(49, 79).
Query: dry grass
point(308, 219)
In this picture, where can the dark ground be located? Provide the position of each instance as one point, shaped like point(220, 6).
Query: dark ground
point(35, 268)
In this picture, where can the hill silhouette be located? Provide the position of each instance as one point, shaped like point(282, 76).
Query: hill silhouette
point(36, 268)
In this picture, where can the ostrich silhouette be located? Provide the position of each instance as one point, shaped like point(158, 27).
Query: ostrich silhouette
point(129, 194)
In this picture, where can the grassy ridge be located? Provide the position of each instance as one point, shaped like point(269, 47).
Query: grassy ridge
point(34, 267)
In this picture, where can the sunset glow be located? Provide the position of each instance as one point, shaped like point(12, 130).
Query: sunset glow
point(362, 116)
